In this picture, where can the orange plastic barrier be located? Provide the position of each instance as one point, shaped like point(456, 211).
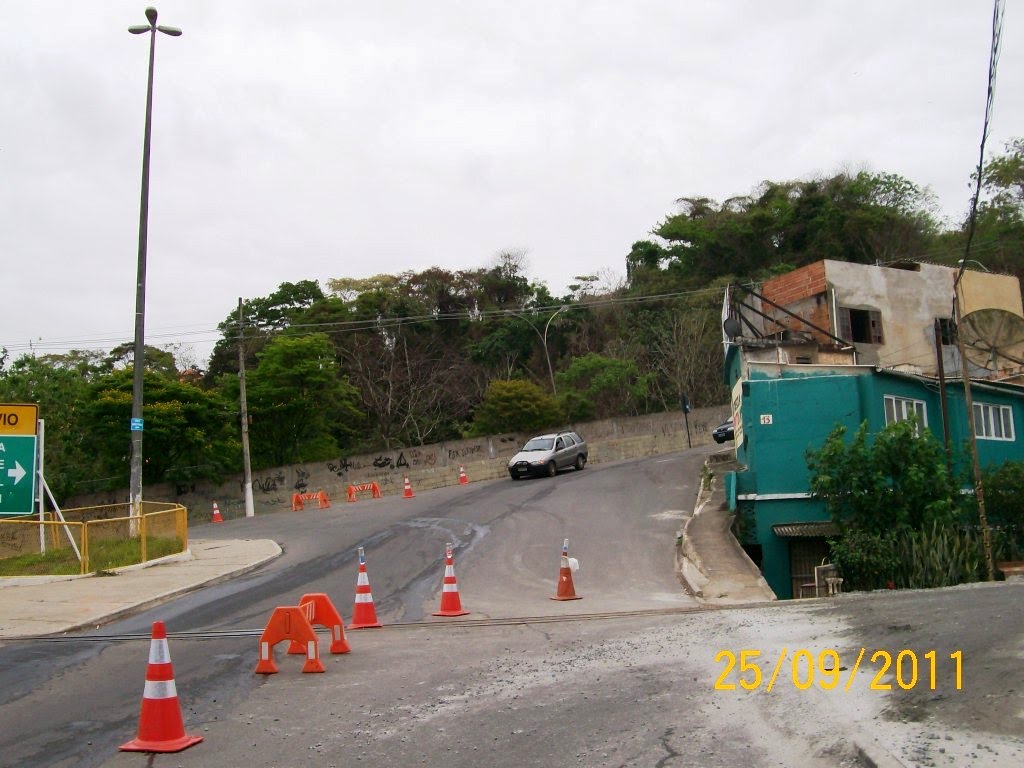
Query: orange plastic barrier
point(290, 622)
point(324, 615)
point(373, 488)
point(320, 497)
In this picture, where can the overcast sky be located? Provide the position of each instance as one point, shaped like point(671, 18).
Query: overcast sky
point(316, 139)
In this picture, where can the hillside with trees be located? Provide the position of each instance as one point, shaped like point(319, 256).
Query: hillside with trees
point(413, 358)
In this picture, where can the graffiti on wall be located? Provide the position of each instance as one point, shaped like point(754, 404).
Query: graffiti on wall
point(268, 484)
point(462, 453)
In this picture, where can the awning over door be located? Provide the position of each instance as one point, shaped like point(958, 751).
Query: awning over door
point(816, 530)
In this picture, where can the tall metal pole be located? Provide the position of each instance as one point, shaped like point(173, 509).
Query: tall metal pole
point(135, 490)
point(250, 510)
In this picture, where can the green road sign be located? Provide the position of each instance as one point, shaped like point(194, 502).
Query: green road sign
point(17, 474)
point(18, 424)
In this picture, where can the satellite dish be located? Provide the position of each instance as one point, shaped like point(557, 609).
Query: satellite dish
point(993, 339)
point(732, 327)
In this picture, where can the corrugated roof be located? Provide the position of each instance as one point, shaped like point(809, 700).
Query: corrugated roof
point(816, 530)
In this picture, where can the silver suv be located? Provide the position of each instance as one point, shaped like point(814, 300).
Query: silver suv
point(546, 454)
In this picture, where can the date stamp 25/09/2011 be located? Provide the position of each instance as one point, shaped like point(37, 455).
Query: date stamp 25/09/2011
point(805, 669)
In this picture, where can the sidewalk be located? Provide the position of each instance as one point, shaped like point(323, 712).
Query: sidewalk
point(44, 605)
point(710, 560)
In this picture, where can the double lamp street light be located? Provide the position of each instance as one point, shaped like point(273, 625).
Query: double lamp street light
point(135, 492)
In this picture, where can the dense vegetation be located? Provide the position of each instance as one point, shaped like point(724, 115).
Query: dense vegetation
point(418, 357)
point(902, 519)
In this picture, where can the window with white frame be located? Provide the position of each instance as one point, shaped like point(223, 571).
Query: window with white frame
point(993, 422)
point(902, 408)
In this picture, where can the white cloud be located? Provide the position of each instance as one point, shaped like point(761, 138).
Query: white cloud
point(318, 139)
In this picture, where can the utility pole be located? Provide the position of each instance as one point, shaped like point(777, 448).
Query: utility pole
point(979, 489)
point(250, 510)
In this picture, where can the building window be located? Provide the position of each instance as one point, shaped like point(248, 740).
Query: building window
point(861, 326)
point(947, 330)
point(993, 422)
point(902, 408)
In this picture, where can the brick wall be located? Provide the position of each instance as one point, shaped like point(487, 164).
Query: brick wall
point(799, 284)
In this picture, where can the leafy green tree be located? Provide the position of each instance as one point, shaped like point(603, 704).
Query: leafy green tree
point(261, 318)
point(595, 385)
point(896, 481)
point(189, 435)
point(862, 218)
point(514, 406)
point(59, 385)
point(302, 408)
point(882, 492)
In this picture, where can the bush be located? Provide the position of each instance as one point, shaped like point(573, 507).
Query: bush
point(514, 406)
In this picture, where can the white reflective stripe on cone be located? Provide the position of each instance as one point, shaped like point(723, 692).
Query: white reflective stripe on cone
point(264, 651)
point(449, 570)
point(364, 597)
point(159, 653)
point(160, 689)
point(311, 649)
point(450, 588)
point(363, 580)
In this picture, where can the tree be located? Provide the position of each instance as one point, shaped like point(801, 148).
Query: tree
point(860, 218)
point(59, 385)
point(882, 494)
point(302, 408)
point(514, 406)
point(897, 481)
point(189, 431)
point(261, 318)
point(598, 386)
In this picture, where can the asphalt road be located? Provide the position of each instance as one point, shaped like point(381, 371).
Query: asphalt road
point(647, 689)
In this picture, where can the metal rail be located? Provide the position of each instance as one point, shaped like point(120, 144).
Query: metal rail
point(398, 626)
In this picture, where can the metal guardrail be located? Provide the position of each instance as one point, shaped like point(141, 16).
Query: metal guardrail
point(95, 526)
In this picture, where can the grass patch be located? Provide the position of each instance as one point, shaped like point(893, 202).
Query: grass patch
point(103, 556)
point(60, 562)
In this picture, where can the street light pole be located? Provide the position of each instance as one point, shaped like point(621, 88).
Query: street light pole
point(135, 492)
point(543, 338)
point(547, 325)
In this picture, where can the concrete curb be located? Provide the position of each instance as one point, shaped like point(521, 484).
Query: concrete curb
point(176, 592)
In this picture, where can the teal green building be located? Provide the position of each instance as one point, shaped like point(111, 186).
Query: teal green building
point(782, 410)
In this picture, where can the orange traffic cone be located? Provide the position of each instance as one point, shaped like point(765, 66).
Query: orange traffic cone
point(160, 726)
point(450, 603)
point(569, 564)
point(463, 480)
point(407, 493)
point(363, 614)
point(216, 514)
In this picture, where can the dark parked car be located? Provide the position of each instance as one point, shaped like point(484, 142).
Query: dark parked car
point(723, 432)
point(546, 454)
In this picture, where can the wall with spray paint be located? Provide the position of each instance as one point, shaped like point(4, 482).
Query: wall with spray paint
point(428, 466)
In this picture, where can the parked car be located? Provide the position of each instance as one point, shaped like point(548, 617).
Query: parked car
point(723, 431)
point(546, 454)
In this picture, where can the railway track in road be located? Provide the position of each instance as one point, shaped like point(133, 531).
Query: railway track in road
point(463, 623)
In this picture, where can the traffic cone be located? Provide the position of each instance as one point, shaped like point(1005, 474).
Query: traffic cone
point(565, 587)
point(216, 514)
point(160, 726)
point(450, 603)
point(363, 614)
point(407, 493)
point(463, 480)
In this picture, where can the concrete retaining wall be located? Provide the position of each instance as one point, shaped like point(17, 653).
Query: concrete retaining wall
point(430, 466)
